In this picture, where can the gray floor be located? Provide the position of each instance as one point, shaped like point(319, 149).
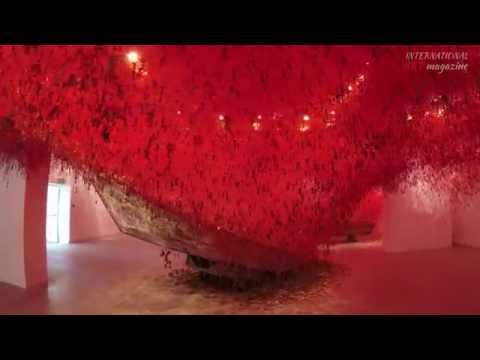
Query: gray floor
point(122, 275)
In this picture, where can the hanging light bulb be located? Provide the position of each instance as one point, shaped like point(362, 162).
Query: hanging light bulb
point(256, 125)
point(306, 117)
point(136, 64)
point(222, 122)
point(133, 57)
point(304, 127)
point(440, 112)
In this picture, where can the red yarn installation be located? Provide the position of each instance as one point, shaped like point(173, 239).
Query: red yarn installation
point(277, 144)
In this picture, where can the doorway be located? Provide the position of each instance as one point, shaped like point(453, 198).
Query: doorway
point(58, 214)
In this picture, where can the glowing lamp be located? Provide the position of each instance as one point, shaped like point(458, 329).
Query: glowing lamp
point(304, 127)
point(133, 57)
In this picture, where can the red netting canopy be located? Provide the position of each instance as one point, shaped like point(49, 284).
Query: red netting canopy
point(277, 144)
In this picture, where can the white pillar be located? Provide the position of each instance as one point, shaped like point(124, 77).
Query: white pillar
point(417, 219)
point(12, 200)
point(466, 224)
point(23, 256)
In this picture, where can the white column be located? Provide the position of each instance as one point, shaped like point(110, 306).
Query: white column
point(466, 222)
point(12, 200)
point(23, 199)
point(418, 219)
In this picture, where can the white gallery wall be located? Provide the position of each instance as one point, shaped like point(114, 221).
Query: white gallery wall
point(466, 222)
point(89, 219)
point(23, 221)
point(417, 219)
point(422, 218)
point(12, 200)
point(23, 250)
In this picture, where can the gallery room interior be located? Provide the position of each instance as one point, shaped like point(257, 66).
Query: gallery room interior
point(239, 179)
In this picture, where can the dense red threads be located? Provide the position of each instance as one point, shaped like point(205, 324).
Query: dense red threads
point(332, 124)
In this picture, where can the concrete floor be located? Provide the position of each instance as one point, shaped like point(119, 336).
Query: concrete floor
point(122, 275)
